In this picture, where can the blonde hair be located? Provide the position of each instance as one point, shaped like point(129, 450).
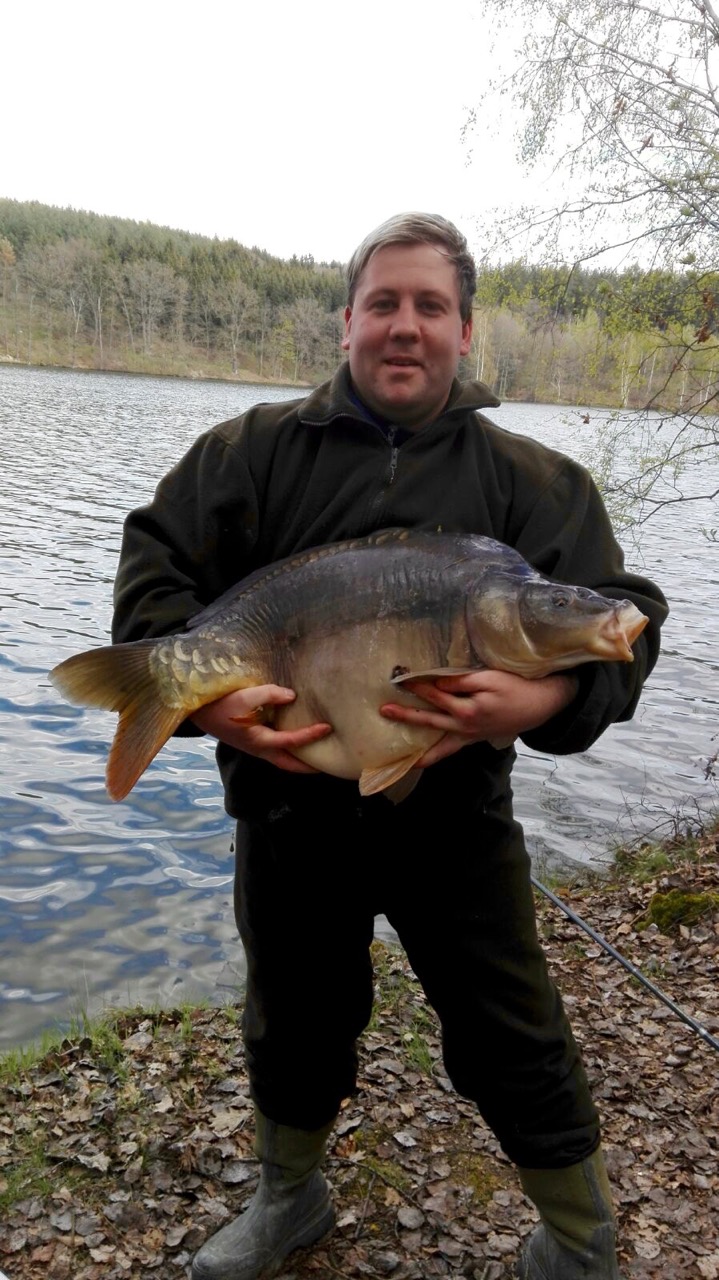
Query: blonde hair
point(419, 228)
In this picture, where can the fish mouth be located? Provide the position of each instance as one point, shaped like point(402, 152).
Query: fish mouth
point(622, 628)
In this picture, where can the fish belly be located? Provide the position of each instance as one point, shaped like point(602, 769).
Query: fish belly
point(344, 679)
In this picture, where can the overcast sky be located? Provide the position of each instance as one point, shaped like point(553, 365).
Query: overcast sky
point(293, 127)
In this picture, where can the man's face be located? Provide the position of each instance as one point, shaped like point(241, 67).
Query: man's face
point(404, 333)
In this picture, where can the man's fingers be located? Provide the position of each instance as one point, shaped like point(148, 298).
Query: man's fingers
point(447, 746)
point(290, 763)
point(416, 715)
point(426, 690)
point(256, 697)
point(284, 738)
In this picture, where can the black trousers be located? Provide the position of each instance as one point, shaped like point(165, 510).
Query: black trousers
point(309, 882)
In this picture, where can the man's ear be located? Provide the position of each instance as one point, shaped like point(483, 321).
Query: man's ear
point(466, 337)
point(345, 343)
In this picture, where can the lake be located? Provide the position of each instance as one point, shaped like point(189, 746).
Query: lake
point(104, 904)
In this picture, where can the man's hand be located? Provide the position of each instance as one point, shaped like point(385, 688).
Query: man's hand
point(236, 720)
point(482, 706)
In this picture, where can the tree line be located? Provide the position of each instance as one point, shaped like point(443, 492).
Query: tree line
point(84, 290)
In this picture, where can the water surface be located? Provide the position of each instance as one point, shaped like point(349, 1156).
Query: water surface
point(104, 904)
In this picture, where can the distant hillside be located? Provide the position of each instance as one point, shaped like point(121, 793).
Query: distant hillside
point(86, 290)
point(108, 292)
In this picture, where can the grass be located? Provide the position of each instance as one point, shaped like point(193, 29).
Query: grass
point(104, 1035)
point(647, 859)
point(400, 998)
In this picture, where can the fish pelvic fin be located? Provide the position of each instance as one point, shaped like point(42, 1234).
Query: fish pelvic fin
point(394, 776)
point(119, 678)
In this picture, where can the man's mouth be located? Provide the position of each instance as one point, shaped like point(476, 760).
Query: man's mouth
point(403, 362)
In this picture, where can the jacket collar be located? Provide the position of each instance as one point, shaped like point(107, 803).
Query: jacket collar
point(334, 400)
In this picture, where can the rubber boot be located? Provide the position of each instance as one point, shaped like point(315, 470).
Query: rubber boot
point(290, 1208)
point(576, 1238)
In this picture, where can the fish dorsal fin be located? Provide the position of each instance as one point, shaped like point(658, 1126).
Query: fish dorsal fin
point(432, 673)
point(387, 775)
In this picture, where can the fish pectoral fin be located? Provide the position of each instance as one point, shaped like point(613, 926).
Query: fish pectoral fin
point(432, 673)
point(260, 715)
point(119, 678)
point(388, 775)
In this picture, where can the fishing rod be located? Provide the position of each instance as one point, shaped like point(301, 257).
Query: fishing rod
point(631, 968)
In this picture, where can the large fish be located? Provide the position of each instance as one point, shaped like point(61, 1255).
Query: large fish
point(345, 626)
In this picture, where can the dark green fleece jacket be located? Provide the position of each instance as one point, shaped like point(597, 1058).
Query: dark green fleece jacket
point(287, 476)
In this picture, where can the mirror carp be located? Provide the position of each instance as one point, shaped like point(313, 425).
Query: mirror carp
point(346, 626)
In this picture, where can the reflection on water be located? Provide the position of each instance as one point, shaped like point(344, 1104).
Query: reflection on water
point(103, 903)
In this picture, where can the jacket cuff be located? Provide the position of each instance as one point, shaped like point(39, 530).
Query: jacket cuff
point(187, 729)
point(580, 723)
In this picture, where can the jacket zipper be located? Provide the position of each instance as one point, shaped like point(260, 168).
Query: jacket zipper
point(393, 457)
point(379, 497)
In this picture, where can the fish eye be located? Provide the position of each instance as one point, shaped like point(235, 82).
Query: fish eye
point(560, 599)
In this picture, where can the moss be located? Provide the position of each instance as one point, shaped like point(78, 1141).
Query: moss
point(677, 907)
point(366, 1142)
point(480, 1172)
point(393, 1175)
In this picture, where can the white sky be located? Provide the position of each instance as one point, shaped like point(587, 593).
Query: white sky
point(293, 126)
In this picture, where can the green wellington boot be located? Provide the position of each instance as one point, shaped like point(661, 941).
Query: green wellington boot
point(290, 1208)
point(575, 1239)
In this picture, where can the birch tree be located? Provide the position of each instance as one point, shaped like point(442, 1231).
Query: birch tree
point(620, 99)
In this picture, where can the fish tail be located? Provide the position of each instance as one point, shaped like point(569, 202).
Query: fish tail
point(120, 678)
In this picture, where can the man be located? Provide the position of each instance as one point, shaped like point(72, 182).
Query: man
point(394, 440)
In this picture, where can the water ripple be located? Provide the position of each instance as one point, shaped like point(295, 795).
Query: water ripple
point(105, 904)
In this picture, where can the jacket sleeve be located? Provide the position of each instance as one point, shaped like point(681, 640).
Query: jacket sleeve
point(187, 546)
point(568, 536)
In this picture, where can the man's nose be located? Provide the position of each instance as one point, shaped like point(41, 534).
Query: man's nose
point(405, 321)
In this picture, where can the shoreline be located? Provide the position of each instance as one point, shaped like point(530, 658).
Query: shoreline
point(127, 1143)
point(246, 378)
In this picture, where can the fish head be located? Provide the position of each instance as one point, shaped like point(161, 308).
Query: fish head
point(533, 626)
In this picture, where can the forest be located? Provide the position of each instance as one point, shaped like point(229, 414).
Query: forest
point(83, 290)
